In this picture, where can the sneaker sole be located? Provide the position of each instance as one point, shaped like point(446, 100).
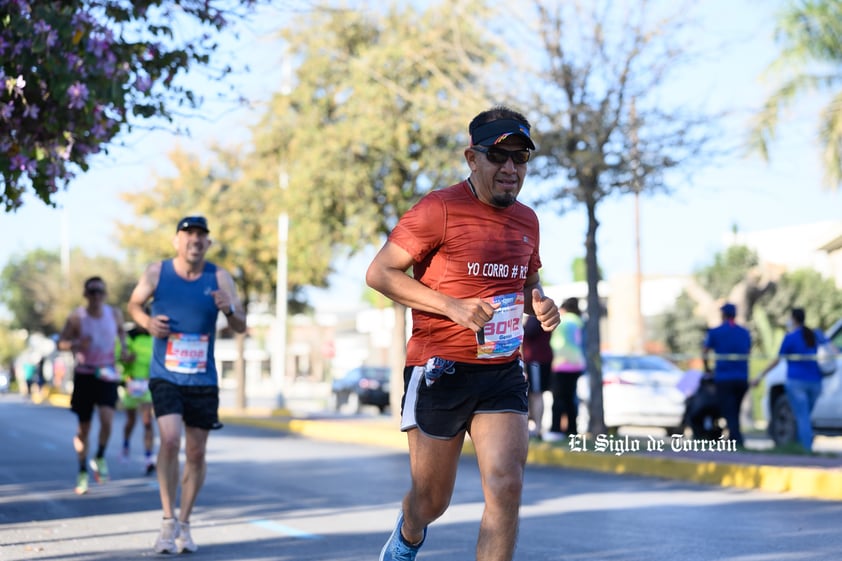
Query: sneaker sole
point(165, 549)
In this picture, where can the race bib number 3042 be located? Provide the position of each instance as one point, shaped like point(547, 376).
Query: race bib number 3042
point(503, 333)
point(187, 353)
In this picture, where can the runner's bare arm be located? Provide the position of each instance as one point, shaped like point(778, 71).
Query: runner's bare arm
point(228, 302)
point(69, 338)
point(143, 291)
point(387, 275)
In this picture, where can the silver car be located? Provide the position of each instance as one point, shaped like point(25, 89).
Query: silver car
point(827, 414)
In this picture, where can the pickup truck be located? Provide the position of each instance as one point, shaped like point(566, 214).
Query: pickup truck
point(827, 414)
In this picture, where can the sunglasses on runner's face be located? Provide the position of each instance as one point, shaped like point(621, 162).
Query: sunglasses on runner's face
point(500, 156)
point(93, 291)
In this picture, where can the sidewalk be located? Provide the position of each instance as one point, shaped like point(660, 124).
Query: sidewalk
point(817, 476)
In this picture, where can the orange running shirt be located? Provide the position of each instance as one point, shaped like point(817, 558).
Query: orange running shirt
point(465, 249)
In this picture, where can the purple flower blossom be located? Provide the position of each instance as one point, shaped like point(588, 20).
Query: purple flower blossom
point(142, 83)
point(31, 111)
point(6, 111)
point(82, 18)
point(21, 163)
point(78, 94)
point(73, 61)
point(98, 131)
point(41, 27)
point(97, 47)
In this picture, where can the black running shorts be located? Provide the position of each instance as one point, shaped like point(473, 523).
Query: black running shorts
point(197, 405)
point(445, 408)
point(88, 392)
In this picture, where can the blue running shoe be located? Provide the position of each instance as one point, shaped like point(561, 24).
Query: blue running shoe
point(396, 549)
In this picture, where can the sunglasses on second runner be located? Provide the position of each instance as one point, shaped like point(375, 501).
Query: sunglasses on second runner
point(499, 156)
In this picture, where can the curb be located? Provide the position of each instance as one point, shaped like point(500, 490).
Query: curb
point(808, 482)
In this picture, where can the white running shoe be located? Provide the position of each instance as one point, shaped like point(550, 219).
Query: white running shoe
point(184, 541)
point(166, 539)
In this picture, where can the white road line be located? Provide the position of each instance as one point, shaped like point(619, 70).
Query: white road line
point(285, 530)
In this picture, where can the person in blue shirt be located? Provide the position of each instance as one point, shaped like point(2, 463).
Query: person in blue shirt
point(803, 376)
point(731, 344)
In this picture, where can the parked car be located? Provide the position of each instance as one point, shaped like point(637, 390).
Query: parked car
point(827, 414)
point(364, 385)
point(5, 380)
point(637, 391)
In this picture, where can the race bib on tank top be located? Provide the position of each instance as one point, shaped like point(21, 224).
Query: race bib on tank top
point(187, 353)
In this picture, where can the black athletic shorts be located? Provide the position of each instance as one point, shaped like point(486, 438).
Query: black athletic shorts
point(445, 408)
point(538, 375)
point(197, 405)
point(89, 392)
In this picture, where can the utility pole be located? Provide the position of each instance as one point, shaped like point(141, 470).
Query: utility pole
point(279, 347)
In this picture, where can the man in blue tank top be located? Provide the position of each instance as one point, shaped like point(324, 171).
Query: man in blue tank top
point(187, 294)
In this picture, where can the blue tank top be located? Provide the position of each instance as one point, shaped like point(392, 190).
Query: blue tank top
point(186, 357)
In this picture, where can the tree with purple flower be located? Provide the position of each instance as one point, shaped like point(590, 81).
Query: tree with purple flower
point(74, 74)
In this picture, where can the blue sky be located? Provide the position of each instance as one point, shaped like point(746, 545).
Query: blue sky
point(680, 232)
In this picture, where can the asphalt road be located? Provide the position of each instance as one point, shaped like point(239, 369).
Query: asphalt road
point(274, 496)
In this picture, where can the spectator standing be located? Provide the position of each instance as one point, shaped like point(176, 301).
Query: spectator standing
point(731, 345)
point(568, 365)
point(803, 377)
point(538, 362)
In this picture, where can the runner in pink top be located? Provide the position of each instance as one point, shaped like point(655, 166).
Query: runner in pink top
point(91, 333)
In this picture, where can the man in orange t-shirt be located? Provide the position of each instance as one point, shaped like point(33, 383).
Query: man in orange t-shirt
point(474, 253)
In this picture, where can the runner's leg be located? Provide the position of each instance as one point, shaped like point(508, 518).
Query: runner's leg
point(501, 442)
point(433, 464)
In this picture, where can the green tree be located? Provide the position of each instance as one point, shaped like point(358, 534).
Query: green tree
point(373, 116)
point(12, 343)
point(682, 330)
point(727, 270)
point(810, 61)
point(605, 129)
point(40, 293)
point(808, 289)
point(222, 189)
point(75, 73)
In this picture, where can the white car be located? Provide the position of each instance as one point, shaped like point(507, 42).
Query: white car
point(637, 391)
point(827, 414)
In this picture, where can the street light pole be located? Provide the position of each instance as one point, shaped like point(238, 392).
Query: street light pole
point(279, 347)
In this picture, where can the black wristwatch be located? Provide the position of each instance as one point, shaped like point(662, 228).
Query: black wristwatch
point(230, 311)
